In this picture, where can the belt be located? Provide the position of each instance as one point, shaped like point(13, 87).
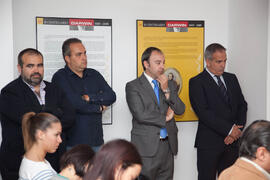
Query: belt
point(164, 139)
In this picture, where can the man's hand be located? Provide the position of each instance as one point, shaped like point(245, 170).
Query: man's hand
point(228, 140)
point(236, 132)
point(170, 114)
point(103, 108)
point(86, 97)
point(163, 80)
point(240, 126)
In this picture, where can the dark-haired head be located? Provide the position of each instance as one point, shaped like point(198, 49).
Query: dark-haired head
point(29, 51)
point(79, 157)
point(66, 46)
point(170, 76)
point(113, 159)
point(256, 135)
point(147, 53)
point(30, 66)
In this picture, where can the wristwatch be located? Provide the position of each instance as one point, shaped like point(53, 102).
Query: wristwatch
point(166, 91)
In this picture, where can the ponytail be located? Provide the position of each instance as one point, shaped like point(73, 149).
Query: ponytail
point(28, 134)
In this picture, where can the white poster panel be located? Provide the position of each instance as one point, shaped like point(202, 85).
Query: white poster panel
point(96, 35)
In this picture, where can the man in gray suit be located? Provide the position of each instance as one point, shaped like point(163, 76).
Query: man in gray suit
point(153, 101)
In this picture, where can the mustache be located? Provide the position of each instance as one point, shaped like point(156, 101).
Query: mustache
point(36, 73)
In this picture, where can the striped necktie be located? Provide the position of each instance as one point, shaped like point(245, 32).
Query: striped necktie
point(222, 89)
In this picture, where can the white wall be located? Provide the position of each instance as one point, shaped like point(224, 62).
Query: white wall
point(268, 67)
point(6, 46)
point(248, 27)
point(218, 16)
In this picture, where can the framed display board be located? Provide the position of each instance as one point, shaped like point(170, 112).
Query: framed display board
point(96, 35)
point(182, 42)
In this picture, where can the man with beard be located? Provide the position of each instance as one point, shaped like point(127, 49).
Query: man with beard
point(29, 93)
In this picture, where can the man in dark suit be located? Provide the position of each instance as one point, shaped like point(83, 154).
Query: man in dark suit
point(153, 101)
point(217, 99)
point(25, 94)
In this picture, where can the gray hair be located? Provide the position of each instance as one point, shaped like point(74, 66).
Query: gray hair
point(211, 49)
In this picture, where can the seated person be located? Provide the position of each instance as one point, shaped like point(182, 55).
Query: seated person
point(254, 161)
point(41, 135)
point(75, 162)
point(116, 160)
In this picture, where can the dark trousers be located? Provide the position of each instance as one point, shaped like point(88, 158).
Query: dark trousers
point(10, 161)
point(160, 166)
point(211, 162)
point(7, 174)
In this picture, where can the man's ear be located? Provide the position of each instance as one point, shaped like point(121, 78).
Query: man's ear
point(19, 68)
point(71, 169)
point(261, 153)
point(67, 59)
point(207, 62)
point(146, 64)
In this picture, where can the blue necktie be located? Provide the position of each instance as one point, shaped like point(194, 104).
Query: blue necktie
point(156, 89)
point(163, 131)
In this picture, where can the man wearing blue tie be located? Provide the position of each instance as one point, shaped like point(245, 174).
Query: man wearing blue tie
point(153, 101)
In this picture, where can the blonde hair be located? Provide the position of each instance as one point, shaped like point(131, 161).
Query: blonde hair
point(31, 122)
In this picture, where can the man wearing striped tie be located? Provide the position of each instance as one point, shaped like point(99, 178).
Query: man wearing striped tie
point(217, 99)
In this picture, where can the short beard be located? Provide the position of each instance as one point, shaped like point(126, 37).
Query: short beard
point(33, 81)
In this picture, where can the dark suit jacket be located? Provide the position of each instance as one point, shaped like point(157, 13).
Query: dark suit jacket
point(216, 117)
point(16, 99)
point(149, 117)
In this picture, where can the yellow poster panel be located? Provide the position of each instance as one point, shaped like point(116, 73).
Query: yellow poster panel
point(182, 43)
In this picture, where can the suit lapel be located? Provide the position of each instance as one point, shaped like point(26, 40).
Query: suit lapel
point(47, 92)
point(213, 85)
point(148, 88)
point(229, 88)
point(212, 82)
point(29, 93)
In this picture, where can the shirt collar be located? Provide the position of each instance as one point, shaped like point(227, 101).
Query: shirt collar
point(212, 75)
point(210, 72)
point(256, 166)
point(42, 85)
point(70, 72)
point(149, 78)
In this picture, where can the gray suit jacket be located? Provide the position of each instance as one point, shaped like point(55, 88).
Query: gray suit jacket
point(149, 117)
